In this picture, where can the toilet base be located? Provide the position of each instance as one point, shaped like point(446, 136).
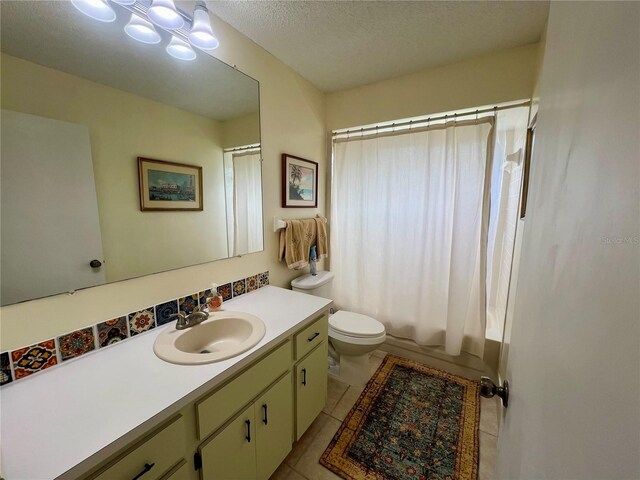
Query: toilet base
point(354, 370)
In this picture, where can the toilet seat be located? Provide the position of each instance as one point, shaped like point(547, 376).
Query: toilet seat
point(356, 328)
point(355, 324)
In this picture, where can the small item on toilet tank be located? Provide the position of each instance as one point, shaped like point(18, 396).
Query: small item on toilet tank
point(313, 261)
point(214, 302)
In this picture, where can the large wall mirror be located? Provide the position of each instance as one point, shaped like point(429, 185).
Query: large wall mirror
point(81, 102)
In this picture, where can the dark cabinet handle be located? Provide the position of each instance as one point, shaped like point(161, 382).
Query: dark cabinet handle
point(95, 263)
point(310, 339)
point(304, 376)
point(147, 467)
point(248, 437)
point(265, 420)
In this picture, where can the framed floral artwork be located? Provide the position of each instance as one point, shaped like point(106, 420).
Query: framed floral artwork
point(299, 182)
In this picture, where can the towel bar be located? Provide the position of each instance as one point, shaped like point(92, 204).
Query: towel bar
point(280, 223)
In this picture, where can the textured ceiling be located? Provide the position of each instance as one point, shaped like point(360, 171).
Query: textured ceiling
point(56, 35)
point(342, 44)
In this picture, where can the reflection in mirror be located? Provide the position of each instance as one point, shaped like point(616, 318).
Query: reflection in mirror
point(242, 176)
point(81, 101)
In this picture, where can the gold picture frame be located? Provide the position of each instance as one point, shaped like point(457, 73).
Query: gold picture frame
point(169, 186)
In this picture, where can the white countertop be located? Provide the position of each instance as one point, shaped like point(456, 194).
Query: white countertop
point(66, 420)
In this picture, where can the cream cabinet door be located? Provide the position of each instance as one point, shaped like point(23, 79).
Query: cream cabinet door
point(274, 426)
point(231, 454)
point(311, 388)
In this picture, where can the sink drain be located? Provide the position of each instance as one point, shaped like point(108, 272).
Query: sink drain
point(205, 351)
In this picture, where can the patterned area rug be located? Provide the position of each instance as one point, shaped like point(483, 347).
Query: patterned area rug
point(410, 422)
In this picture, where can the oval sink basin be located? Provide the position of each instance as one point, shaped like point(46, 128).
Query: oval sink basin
point(223, 335)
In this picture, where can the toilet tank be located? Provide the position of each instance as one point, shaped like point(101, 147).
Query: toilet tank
point(318, 285)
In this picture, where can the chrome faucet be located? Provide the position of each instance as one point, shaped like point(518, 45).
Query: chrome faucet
point(186, 321)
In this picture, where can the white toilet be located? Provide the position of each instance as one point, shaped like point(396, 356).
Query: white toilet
point(351, 335)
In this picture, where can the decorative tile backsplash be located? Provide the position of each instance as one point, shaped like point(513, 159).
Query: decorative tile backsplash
point(112, 331)
point(225, 291)
point(5, 372)
point(35, 358)
point(28, 360)
point(76, 343)
point(142, 321)
point(252, 283)
point(187, 304)
point(239, 287)
point(164, 312)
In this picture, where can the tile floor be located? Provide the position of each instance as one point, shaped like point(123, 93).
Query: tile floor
point(302, 463)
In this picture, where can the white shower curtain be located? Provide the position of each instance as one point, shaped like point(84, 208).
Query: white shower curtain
point(247, 203)
point(409, 228)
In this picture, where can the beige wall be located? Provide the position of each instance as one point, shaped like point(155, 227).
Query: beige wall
point(503, 76)
point(241, 131)
point(292, 121)
point(123, 126)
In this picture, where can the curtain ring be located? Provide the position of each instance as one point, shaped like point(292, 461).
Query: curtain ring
point(410, 124)
point(476, 115)
point(428, 122)
point(455, 119)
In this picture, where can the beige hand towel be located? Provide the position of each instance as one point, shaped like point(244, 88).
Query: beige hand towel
point(296, 240)
point(322, 243)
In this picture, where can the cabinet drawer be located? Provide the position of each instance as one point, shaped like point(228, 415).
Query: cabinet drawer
point(310, 337)
point(218, 407)
point(153, 456)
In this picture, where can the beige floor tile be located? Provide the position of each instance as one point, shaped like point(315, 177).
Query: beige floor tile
point(488, 451)
point(308, 465)
point(295, 476)
point(285, 472)
point(347, 401)
point(301, 445)
point(282, 472)
point(378, 353)
point(335, 390)
point(374, 363)
point(489, 415)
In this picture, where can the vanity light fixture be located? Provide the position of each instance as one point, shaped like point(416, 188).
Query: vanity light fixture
point(97, 9)
point(142, 30)
point(185, 31)
point(201, 34)
point(180, 49)
point(164, 14)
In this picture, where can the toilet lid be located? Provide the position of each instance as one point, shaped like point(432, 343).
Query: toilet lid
point(355, 324)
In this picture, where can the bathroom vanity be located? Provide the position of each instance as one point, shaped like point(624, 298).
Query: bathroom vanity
point(124, 413)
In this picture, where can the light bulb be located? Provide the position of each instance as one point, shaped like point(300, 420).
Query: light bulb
point(201, 34)
point(164, 14)
point(180, 49)
point(125, 2)
point(142, 30)
point(96, 9)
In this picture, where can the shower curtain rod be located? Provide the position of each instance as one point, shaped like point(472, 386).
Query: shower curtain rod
point(240, 149)
point(455, 116)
